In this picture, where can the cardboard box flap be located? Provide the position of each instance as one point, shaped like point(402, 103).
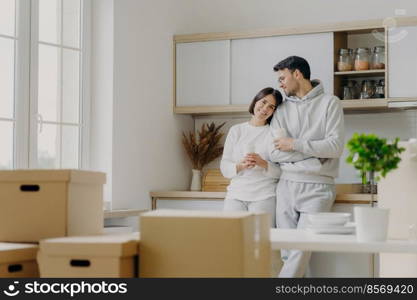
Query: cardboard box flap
point(196, 214)
point(121, 245)
point(73, 176)
point(10, 252)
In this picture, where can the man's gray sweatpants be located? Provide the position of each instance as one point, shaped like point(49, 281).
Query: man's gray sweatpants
point(294, 201)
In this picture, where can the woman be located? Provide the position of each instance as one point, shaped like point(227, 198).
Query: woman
point(246, 159)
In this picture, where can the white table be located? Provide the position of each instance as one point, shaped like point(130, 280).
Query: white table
point(302, 239)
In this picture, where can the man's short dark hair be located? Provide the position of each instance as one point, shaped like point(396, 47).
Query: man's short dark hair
point(293, 63)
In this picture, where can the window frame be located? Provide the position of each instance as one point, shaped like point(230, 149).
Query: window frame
point(26, 84)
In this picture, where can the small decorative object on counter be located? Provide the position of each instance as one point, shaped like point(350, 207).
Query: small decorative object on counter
point(202, 150)
point(361, 59)
point(345, 61)
point(378, 58)
point(371, 155)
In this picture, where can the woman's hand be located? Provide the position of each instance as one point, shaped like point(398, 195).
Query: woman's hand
point(244, 164)
point(256, 160)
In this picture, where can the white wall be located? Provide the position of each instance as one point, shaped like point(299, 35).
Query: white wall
point(147, 153)
point(387, 125)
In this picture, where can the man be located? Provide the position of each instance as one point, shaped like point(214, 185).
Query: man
point(308, 155)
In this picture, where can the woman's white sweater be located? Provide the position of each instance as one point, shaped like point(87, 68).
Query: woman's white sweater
point(250, 184)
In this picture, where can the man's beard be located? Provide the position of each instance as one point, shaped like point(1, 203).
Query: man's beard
point(291, 93)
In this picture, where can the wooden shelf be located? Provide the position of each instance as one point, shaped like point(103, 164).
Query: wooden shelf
point(365, 104)
point(346, 194)
point(122, 213)
point(368, 105)
point(203, 110)
point(379, 72)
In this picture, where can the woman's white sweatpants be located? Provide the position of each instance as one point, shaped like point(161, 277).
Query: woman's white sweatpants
point(294, 201)
point(266, 206)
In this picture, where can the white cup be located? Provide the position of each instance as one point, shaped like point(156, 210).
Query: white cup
point(249, 148)
point(371, 223)
point(280, 133)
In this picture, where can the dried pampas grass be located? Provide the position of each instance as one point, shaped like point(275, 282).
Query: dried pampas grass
point(206, 148)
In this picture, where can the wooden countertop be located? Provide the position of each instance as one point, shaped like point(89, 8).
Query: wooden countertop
point(346, 193)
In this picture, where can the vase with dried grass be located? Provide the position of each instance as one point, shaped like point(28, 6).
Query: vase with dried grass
point(202, 148)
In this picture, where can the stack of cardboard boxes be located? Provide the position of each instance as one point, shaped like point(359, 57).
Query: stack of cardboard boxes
point(37, 205)
point(59, 216)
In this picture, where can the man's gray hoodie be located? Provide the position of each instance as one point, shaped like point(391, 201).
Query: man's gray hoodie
point(316, 123)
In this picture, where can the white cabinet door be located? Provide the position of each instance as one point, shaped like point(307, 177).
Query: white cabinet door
point(402, 62)
point(203, 73)
point(253, 61)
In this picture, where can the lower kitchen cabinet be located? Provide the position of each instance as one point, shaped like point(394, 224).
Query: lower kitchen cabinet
point(323, 264)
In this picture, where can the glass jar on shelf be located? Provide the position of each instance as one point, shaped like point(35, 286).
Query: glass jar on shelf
point(354, 89)
point(366, 90)
point(361, 59)
point(347, 93)
point(378, 58)
point(345, 61)
point(380, 89)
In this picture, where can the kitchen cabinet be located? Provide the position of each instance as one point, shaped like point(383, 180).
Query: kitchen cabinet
point(252, 61)
point(202, 73)
point(402, 61)
point(323, 264)
point(219, 73)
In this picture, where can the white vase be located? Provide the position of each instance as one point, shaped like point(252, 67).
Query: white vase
point(196, 180)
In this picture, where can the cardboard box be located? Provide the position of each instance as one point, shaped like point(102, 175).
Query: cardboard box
point(18, 260)
point(89, 256)
point(38, 204)
point(181, 243)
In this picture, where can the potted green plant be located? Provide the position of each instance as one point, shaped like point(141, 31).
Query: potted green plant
point(372, 155)
point(202, 148)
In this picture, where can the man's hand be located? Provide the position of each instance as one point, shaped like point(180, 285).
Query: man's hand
point(285, 144)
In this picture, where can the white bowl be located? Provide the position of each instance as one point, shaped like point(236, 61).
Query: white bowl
point(329, 218)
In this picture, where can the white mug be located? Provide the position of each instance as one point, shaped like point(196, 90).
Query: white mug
point(371, 223)
point(249, 148)
point(280, 133)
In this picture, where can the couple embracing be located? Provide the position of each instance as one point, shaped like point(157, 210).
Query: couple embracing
point(283, 161)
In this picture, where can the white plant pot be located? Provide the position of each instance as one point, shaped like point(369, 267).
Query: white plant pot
point(196, 180)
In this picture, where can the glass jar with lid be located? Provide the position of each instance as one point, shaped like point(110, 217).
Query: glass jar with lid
point(361, 59)
point(345, 62)
point(378, 57)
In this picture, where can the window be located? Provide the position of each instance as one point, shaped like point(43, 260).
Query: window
point(43, 83)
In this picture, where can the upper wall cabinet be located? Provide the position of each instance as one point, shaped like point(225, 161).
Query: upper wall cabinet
point(221, 72)
point(252, 62)
point(402, 61)
point(203, 73)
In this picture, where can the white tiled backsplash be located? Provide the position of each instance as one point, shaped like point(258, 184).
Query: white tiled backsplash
point(388, 125)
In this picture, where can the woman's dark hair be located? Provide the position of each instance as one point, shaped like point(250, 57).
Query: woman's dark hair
point(293, 63)
point(263, 93)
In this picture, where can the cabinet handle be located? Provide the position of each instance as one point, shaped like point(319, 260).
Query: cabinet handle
point(30, 188)
point(80, 263)
point(15, 268)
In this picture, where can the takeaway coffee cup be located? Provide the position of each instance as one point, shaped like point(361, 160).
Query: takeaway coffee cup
point(371, 224)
